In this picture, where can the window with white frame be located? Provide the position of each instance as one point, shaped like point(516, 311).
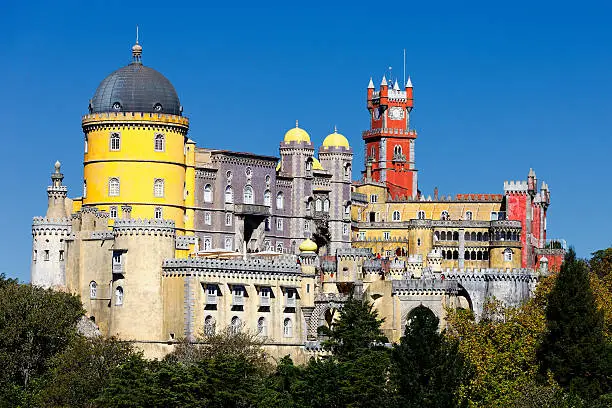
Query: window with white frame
point(347, 172)
point(235, 325)
point(158, 187)
point(112, 211)
point(318, 205)
point(508, 255)
point(84, 188)
point(229, 195)
point(207, 243)
point(267, 245)
point(115, 141)
point(306, 226)
point(86, 145)
point(93, 289)
point(420, 215)
point(113, 187)
point(208, 197)
point(160, 142)
point(228, 219)
point(386, 235)
point(280, 200)
point(287, 328)
point(267, 198)
point(493, 216)
point(345, 229)
point(119, 296)
point(396, 216)
point(46, 255)
point(209, 326)
point(326, 205)
point(262, 328)
point(373, 198)
point(229, 243)
point(248, 195)
point(362, 235)
point(468, 215)
point(279, 224)
point(308, 165)
point(158, 213)
point(279, 247)
point(207, 218)
point(444, 215)
point(347, 210)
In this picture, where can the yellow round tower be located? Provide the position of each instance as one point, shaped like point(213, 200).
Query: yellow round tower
point(136, 151)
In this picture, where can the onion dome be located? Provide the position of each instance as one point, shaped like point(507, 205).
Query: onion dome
point(297, 135)
point(336, 140)
point(316, 164)
point(308, 245)
point(136, 88)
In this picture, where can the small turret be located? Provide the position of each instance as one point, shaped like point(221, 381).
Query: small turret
point(532, 182)
point(56, 194)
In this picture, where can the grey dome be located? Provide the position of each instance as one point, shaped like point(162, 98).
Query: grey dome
point(136, 88)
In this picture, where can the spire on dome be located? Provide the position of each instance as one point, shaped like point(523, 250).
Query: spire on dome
point(371, 84)
point(137, 50)
point(408, 83)
point(396, 86)
point(297, 123)
point(384, 81)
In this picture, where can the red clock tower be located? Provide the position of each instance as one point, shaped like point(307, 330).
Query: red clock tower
point(389, 141)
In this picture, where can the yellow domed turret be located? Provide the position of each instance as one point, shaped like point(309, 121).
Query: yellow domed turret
point(336, 140)
point(316, 164)
point(297, 135)
point(308, 245)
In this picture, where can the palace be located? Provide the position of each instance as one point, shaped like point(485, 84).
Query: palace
point(170, 240)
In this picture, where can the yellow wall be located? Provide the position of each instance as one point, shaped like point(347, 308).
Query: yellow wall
point(136, 164)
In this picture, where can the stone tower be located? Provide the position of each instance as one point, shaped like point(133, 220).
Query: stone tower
point(389, 142)
point(336, 156)
point(49, 235)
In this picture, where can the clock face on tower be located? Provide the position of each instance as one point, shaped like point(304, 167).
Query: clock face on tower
point(396, 113)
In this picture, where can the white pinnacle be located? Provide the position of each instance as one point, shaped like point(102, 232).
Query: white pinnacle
point(408, 83)
point(396, 86)
point(384, 81)
point(371, 84)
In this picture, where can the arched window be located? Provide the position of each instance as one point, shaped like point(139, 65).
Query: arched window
point(443, 254)
point(262, 328)
point(113, 187)
point(209, 326)
point(479, 256)
point(466, 255)
point(119, 296)
point(318, 205)
point(208, 193)
point(279, 247)
point(397, 149)
point(160, 143)
point(115, 141)
point(326, 205)
point(503, 235)
point(444, 215)
point(437, 235)
point(420, 215)
point(248, 194)
point(466, 236)
point(468, 215)
point(456, 236)
point(473, 255)
point(508, 255)
point(473, 236)
point(443, 235)
point(207, 243)
point(229, 195)
point(236, 325)
point(493, 216)
point(347, 209)
point(479, 236)
point(84, 188)
point(280, 200)
point(158, 213)
point(485, 256)
point(308, 203)
point(308, 164)
point(372, 152)
point(158, 187)
point(267, 198)
point(288, 328)
point(455, 254)
point(514, 236)
point(485, 236)
point(396, 216)
point(347, 172)
point(93, 289)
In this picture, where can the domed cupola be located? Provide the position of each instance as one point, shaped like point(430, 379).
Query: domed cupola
point(136, 88)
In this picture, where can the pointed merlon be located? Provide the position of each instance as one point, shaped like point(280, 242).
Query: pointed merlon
point(396, 86)
point(384, 81)
point(409, 83)
point(371, 84)
point(531, 173)
point(544, 186)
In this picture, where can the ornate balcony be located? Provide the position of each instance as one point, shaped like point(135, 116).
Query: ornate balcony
point(252, 209)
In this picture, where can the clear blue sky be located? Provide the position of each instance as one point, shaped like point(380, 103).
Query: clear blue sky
point(498, 89)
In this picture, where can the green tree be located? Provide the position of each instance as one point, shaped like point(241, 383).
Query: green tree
point(79, 374)
point(428, 367)
point(357, 329)
point(35, 325)
point(574, 348)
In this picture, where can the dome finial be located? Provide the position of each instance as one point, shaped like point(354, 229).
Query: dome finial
point(297, 123)
point(137, 50)
point(335, 129)
point(57, 167)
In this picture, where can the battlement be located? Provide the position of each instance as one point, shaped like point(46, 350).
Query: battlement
point(43, 221)
point(515, 186)
point(354, 252)
point(138, 226)
point(420, 286)
point(496, 198)
point(176, 266)
point(101, 118)
point(51, 226)
point(506, 224)
point(183, 241)
point(102, 235)
point(491, 274)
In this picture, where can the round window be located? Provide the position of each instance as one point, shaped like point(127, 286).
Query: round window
point(116, 106)
point(248, 172)
point(229, 174)
point(157, 107)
